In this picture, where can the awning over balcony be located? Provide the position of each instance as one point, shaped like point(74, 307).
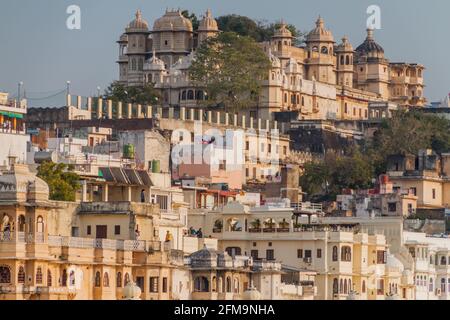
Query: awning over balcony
point(11, 114)
point(129, 177)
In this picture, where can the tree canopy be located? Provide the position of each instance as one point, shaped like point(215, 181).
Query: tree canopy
point(62, 181)
point(146, 94)
point(192, 17)
point(258, 30)
point(230, 68)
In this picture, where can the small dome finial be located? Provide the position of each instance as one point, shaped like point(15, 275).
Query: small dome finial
point(138, 14)
point(369, 34)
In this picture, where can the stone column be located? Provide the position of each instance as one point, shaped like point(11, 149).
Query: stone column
point(200, 115)
point(119, 110)
point(105, 191)
point(244, 124)
point(110, 113)
point(235, 120)
point(78, 102)
point(209, 116)
point(171, 113)
point(267, 125)
point(100, 108)
point(139, 111)
point(182, 113)
point(227, 119)
point(149, 112)
point(129, 111)
point(192, 114)
point(218, 117)
point(251, 123)
point(68, 100)
point(84, 191)
point(259, 124)
point(89, 104)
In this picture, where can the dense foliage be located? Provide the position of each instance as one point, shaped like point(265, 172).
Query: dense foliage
point(404, 133)
point(229, 67)
point(146, 94)
point(62, 181)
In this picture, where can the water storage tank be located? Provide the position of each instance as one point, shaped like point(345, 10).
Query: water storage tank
point(42, 156)
point(156, 166)
point(128, 151)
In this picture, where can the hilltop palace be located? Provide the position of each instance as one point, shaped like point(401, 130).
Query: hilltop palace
point(322, 80)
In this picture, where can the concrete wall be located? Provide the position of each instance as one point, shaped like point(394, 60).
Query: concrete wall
point(14, 145)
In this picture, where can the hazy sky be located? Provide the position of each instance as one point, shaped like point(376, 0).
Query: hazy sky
point(38, 49)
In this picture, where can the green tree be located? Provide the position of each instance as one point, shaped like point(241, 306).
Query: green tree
point(326, 179)
point(230, 69)
point(62, 181)
point(193, 18)
point(258, 30)
point(146, 94)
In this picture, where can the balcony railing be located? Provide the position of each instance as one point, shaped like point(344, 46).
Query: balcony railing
point(80, 243)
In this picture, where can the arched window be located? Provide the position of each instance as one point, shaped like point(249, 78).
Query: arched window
point(350, 288)
point(285, 98)
point(236, 285)
point(40, 225)
point(127, 279)
point(97, 279)
point(324, 50)
point(119, 280)
point(341, 286)
point(72, 278)
point(106, 280)
point(49, 278)
point(335, 253)
point(345, 286)
point(199, 95)
point(5, 275)
point(201, 284)
point(342, 60)
point(190, 95)
point(214, 284)
point(335, 286)
point(228, 284)
point(346, 254)
point(64, 278)
point(315, 49)
point(443, 261)
point(443, 285)
point(39, 275)
point(183, 95)
point(303, 101)
point(21, 223)
point(21, 275)
point(431, 286)
point(363, 289)
point(347, 60)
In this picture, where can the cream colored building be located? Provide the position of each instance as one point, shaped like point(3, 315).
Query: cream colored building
point(322, 80)
point(345, 258)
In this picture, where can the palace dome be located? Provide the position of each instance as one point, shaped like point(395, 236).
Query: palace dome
point(208, 23)
point(283, 32)
point(172, 21)
point(204, 258)
point(251, 294)
point(131, 291)
point(370, 46)
point(320, 33)
point(19, 184)
point(345, 46)
point(139, 23)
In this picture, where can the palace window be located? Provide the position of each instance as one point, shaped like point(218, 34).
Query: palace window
point(72, 278)
point(154, 284)
point(39, 275)
point(106, 280)
point(381, 257)
point(164, 285)
point(335, 253)
point(346, 254)
point(119, 280)
point(228, 285)
point(270, 255)
point(97, 279)
point(363, 289)
point(5, 275)
point(49, 278)
point(21, 275)
point(190, 95)
point(127, 279)
point(319, 253)
point(300, 253)
point(335, 286)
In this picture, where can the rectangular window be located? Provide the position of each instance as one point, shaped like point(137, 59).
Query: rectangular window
point(413, 191)
point(89, 230)
point(247, 146)
point(300, 253)
point(381, 257)
point(247, 172)
point(434, 193)
point(154, 284)
point(319, 253)
point(380, 287)
point(308, 254)
point(162, 201)
point(392, 207)
point(116, 230)
point(164, 285)
point(255, 254)
point(270, 255)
